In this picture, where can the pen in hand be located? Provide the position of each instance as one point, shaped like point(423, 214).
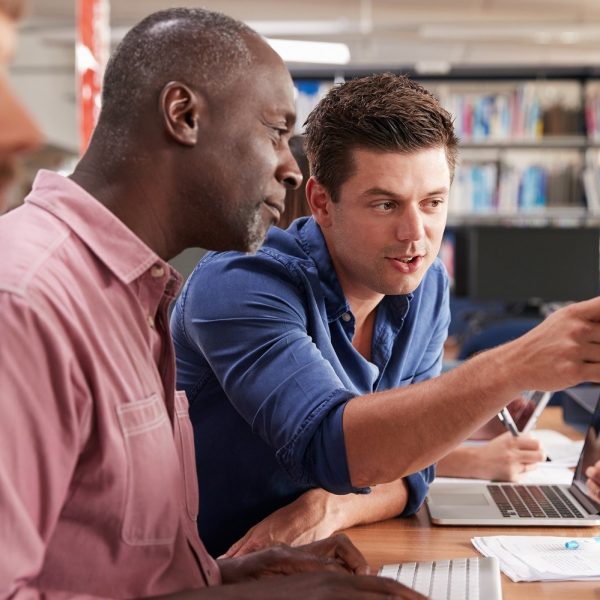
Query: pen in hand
point(507, 421)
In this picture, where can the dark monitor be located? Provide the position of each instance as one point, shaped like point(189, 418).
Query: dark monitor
point(524, 264)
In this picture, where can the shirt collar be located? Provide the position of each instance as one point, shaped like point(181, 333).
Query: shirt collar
point(315, 246)
point(107, 236)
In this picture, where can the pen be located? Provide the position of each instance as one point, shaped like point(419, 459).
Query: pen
point(508, 422)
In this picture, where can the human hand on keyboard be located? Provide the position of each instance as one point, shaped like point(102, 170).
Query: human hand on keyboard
point(328, 569)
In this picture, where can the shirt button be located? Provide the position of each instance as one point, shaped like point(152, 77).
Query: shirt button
point(346, 317)
point(150, 320)
point(157, 271)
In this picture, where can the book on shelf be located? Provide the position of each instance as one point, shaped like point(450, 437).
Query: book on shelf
point(520, 182)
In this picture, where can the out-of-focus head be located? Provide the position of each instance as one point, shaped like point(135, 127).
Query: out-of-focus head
point(18, 132)
point(384, 113)
point(205, 97)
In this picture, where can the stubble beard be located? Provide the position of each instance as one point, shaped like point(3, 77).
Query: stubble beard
point(255, 231)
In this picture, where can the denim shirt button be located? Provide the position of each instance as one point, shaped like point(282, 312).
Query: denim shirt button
point(346, 317)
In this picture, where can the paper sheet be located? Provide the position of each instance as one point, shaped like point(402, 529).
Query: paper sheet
point(543, 558)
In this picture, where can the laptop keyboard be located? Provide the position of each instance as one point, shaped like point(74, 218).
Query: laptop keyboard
point(540, 501)
point(457, 579)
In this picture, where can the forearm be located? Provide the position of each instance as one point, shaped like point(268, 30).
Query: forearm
point(385, 501)
point(409, 428)
point(425, 420)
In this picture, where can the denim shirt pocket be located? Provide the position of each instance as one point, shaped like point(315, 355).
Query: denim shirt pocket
point(152, 509)
point(184, 435)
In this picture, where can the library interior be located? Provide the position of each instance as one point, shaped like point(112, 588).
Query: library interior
point(521, 81)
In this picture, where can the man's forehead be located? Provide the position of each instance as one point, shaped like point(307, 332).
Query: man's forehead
point(7, 38)
point(268, 85)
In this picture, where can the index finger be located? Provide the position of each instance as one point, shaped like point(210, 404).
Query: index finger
point(526, 442)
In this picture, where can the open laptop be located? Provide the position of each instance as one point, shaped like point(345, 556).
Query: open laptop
point(514, 504)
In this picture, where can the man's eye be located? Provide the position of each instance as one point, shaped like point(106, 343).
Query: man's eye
point(385, 206)
point(434, 202)
point(279, 132)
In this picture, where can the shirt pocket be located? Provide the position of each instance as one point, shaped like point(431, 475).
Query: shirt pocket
point(151, 514)
point(184, 435)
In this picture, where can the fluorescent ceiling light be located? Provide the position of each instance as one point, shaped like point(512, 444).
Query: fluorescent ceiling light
point(302, 51)
point(298, 27)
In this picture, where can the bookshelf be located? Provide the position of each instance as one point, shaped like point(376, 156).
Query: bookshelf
point(530, 140)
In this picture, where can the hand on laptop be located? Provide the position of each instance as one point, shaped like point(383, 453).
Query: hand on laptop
point(593, 482)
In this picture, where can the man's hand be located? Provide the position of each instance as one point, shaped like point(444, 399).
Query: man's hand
point(336, 554)
point(310, 517)
point(316, 586)
point(560, 352)
point(317, 514)
point(593, 482)
point(505, 458)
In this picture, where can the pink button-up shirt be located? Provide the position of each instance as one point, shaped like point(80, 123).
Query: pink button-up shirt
point(98, 491)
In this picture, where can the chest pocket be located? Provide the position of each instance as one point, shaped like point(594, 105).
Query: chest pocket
point(152, 497)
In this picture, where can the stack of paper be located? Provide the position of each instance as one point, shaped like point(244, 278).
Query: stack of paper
point(543, 558)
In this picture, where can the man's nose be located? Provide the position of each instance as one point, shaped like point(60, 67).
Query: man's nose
point(18, 131)
point(410, 226)
point(289, 171)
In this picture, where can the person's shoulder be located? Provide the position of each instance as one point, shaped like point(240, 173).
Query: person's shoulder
point(30, 239)
point(281, 250)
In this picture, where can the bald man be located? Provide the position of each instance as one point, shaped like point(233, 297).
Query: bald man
point(97, 478)
point(18, 132)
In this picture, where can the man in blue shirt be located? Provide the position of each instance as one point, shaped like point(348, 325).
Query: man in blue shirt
point(285, 354)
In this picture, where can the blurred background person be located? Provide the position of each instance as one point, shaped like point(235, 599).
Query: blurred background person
point(18, 132)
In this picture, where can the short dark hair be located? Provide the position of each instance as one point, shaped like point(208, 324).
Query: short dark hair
point(386, 112)
point(193, 46)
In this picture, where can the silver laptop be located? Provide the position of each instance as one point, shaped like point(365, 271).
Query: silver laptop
point(513, 504)
point(474, 578)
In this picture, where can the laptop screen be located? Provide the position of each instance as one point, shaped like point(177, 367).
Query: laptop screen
point(589, 455)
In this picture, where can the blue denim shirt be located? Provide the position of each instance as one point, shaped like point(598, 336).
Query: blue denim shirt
point(264, 352)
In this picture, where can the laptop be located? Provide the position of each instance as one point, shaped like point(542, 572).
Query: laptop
point(514, 504)
point(475, 578)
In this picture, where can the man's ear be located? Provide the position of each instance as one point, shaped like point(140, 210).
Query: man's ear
point(181, 108)
point(319, 200)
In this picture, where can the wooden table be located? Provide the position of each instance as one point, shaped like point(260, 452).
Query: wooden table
point(415, 538)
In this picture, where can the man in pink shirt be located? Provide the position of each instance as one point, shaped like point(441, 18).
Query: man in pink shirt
point(98, 495)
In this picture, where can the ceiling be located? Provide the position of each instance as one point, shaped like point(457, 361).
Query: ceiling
point(428, 34)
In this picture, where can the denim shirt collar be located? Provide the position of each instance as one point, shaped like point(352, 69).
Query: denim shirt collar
point(313, 242)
